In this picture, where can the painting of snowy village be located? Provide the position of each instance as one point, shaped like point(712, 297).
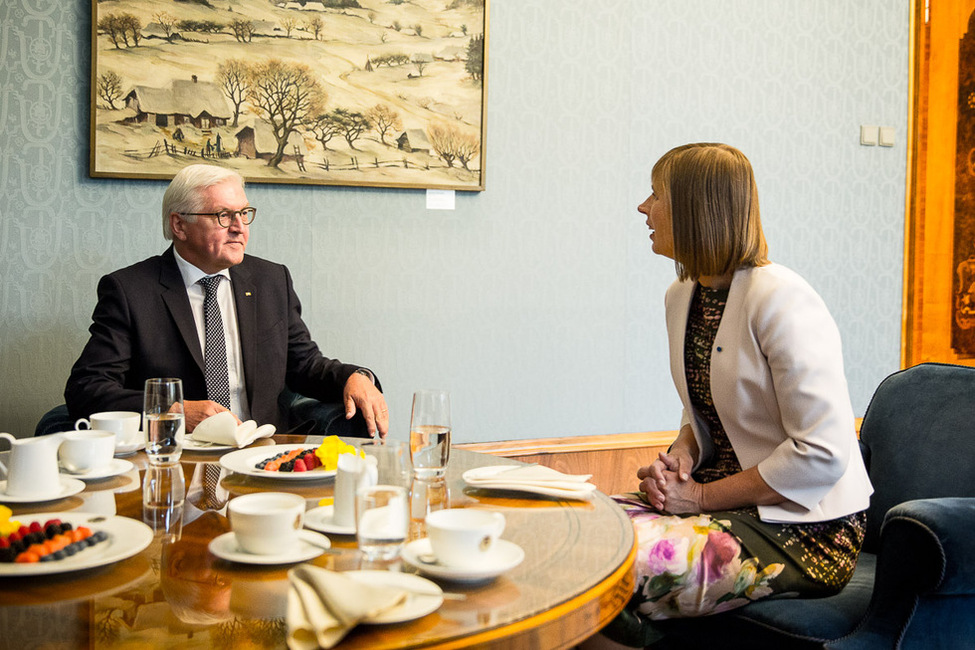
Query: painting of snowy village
point(385, 93)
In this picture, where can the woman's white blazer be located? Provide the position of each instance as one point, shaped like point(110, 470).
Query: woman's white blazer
point(779, 389)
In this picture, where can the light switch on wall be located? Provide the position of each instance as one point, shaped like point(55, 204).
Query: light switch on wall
point(868, 135)
point(886, 136)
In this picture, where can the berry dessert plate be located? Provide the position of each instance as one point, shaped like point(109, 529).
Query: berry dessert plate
point(246, 461)
point(126, 537)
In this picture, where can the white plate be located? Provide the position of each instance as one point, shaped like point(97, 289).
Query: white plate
point(423, 596)
point(311, 545)
point(193, 444)
point(116, 467)
point(321, 519)
point(69, 486)
point(126, 537)
point(132, 447)
point(244, 461)
point(505, 556)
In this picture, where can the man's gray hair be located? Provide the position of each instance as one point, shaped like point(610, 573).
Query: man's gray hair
point(185, 191)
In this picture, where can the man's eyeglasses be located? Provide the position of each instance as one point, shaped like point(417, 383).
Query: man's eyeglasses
point(226, 217)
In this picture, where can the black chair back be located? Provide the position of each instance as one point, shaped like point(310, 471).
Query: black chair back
point(920, 434)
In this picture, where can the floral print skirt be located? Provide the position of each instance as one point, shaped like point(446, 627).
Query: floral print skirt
point(695, 565)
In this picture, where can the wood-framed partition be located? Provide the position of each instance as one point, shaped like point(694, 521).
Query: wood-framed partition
point(940, 223)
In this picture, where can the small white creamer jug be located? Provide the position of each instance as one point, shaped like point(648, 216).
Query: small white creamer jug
point(32, 468)
point(353, 472)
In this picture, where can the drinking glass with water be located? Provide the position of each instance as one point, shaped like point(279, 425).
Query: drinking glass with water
point(164, 420)
point(430, 433)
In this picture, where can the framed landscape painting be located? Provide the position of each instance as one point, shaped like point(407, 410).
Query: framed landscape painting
point(385, 93)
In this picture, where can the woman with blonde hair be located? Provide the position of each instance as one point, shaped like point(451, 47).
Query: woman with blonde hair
point(764, 490)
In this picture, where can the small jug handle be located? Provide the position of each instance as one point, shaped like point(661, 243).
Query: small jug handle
point(11, 439)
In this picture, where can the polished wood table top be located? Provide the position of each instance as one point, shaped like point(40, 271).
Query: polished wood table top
point(576, 576)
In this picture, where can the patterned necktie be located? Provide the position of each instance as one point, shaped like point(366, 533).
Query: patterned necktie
point(214, 345)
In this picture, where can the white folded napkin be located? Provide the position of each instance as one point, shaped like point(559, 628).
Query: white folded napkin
point(222, 429)
point(531, 478)
point(323, 605)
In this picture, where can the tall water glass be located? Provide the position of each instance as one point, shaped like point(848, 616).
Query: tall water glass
point(164, 421)
point(382, 521)
point(430, 433)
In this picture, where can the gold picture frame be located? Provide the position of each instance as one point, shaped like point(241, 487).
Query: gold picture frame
point(381, 93)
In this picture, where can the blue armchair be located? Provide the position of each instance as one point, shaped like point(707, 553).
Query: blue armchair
point(914, 585)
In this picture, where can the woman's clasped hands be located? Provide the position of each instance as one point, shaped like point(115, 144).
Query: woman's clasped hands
point(668, 485)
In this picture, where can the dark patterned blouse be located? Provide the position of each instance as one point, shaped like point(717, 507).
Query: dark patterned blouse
point(826, 551)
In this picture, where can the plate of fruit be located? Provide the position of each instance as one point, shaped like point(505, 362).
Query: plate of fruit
point(289, 462)
point(58, 542)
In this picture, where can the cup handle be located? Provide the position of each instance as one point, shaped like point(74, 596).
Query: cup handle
point(499, 524)
point(78, 423)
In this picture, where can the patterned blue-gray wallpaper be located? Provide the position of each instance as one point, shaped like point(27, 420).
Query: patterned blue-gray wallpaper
point(537, 302)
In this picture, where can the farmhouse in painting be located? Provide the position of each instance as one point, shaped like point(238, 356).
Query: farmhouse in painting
point(258, 141)
point(195, 102)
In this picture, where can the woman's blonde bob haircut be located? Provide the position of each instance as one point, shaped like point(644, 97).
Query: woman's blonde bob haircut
point(714, 207)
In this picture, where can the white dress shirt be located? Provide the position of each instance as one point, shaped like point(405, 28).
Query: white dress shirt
point(231, 334)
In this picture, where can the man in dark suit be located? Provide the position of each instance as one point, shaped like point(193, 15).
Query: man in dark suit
point(150, 321)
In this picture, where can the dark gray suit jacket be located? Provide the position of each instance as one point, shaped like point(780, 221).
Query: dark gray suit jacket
point(142, 327)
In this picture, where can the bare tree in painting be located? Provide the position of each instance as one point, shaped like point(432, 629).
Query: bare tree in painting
point(384, 119)
point(167, 22)
point(233, 77)
point(442, 138)
point(352, 124)
point(467, 146)
point(110, 87)
point(289, 23)
point(324, 128)
point(243, 30)
point(315, 26)
point(113, 26)
point(287, 94)
point(131, 24)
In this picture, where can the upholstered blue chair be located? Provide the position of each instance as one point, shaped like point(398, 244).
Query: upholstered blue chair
point(914, 586)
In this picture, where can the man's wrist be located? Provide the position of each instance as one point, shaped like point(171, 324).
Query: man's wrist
point(366, 373)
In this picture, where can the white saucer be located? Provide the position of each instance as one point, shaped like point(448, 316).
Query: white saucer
point(422, 597)
point(505, 556)
point(311, 545)
point(130, 448)
point(321, 519)
point(69, 486)
point(192, 444)
point(114, 468)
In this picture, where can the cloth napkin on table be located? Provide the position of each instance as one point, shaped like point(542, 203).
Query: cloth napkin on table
point(531, 478)
point(222, 429)
point(323, 605)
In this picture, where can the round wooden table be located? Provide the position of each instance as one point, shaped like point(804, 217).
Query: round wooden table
point(576, 576)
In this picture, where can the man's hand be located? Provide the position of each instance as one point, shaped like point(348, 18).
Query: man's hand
point(361, 393)
point(196, 411)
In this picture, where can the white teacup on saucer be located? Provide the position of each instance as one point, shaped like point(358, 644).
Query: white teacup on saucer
point(267, 523)
point(87, 451)
point(463, 537)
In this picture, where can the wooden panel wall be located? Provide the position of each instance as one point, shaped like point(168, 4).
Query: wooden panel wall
point(612, 459)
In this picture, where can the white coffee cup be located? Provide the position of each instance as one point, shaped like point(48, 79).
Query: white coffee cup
point(463, 537)
point(125, 425)
point(267, 523)
point(86, 451)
